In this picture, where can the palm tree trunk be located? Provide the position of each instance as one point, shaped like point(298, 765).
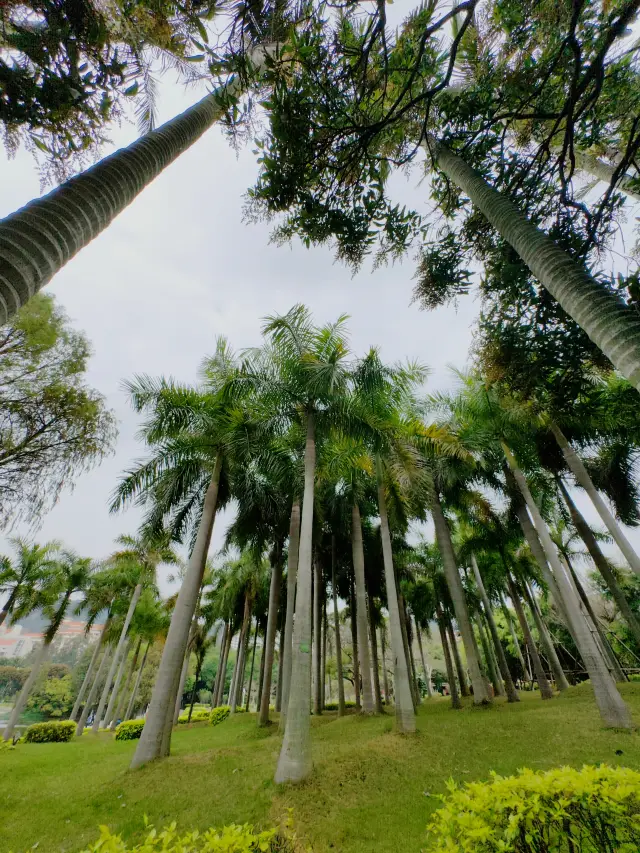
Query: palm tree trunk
point(261, 678)
point(601, 562)
point(407, 651)
point(27, 687)
point(150, 745)
point(545, 688)
point(577, 468)
point(223, 664)
point(385, 676)
point(324, 651)
point(453, 687)
point(512, 693)
point(425, 669)
point(238, 682)
point(613, 711)
point(374, 659)
point(292, 574)
point(91, 698)
point(8, 607)
point(613, 326)
point(317, 636)
point(545, 638)
point(294, 763)
point(272, 626)
point(462, 675)
point(597, 168)
point(253, 661)
point(134, 693)
point(514, 637)
point(405, 713)
point(355, 657)
point(280, 659)
point(90, 671)
point(39, 239)
point(116, 685)
point(195, 688)
point(489, 656)
point(218, 675)
point(125, 690)
point(364, 656)
point(336, 627)
point(456, 590)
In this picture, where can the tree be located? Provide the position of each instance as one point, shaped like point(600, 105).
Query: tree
point(53, 698)
point(53, 426)
point(70, 574)
point(25, 573)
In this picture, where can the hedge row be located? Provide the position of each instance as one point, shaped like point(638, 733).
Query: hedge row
point(51, 732)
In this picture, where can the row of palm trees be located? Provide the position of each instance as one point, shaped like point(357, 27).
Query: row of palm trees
point(336, 456)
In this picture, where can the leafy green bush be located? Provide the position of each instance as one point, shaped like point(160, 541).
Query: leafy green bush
point(129, 730)
point(51, 732)
point(219, 714)
point(199, 716)
point(54, 698)
point(229, 839)
point(333, 706)
point(561, 811)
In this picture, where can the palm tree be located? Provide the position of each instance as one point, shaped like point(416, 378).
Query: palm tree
point(28, 569)
point(69, 575)
point(39, 239)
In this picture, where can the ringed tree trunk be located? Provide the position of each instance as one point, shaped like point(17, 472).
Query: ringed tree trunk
point(405, 713)
point(223, 664)
point(294, 763)
point(125, 690)
point(453, 687)
point(456, 590)
point(134, 693)
point(218, 675)
point(150, 745)
point(93, 693)
point(261, 677)
point(270, 642)
point(235, 696)
point(601, 562)
point(612, 326)
point(545, 688)
point(292, 574)
point(514, 638)
point(317, 637)
point(510, 688)
point(336, 627)
point(385, 676)
point(407, 651)
point(374, 659)
point(116, 685)
point(280, 659)
point(613, 710)
point(355, 665)
point(545, 638)
point(39, 239)
point(491, 663)
point(577, 468)
point(462, 675)
point(323, 666)
point(364, 657)
point(253, 661)
point(90, 671)
point(425, 668)
point(27, 687)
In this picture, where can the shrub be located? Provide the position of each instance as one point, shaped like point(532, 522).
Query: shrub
point(129, 730)
point(561, 811)
point(51, 732)
point(54, 698)
point(199, 716)
point(229, 839)
point(219, 714)
point(333, 706)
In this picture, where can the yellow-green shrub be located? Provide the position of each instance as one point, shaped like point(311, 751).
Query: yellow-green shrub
point(51, 732)
point(230, 839)
point(578, 811)
point(129, 730)
point(199, 715)
point(219, 714)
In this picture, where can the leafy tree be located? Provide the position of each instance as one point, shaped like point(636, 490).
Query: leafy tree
point(52, 425)
point(54, 698)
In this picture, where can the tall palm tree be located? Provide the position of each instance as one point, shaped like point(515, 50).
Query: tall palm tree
point(40, 238)
point(69, 575)
point(26, 571)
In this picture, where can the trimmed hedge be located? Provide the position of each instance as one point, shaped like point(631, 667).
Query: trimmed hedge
point(333, 706)
point(200, 715)
point(219, 714)
point(229, 839)
point(51, 732)
point(129, 730)
point(561, 811)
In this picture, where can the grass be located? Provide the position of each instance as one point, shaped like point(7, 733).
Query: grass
point(371, 789)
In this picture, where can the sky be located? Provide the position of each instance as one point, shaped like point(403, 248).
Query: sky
point(178, 268)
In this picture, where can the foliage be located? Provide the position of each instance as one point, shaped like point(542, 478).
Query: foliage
point(129, 730)
point(200, 715)
point(229, 839)
point(53, 426)
point(54, 698)
point(51, 732)
point(333, 706)
point(11, 679)
point(219, 714)
point(582, 811)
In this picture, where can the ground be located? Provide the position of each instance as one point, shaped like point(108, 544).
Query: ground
point(371, 789)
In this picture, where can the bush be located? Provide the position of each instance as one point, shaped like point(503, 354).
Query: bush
point(54, 698)
point(230, 839)
point(219, 714)
point(129, 730)
point(199, 716)
point(51, 732)
point(561, 811)
point(333, 706)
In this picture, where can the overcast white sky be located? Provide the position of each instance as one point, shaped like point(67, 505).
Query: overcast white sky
point(178, 268)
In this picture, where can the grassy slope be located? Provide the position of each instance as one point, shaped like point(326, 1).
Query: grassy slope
point(370, 787)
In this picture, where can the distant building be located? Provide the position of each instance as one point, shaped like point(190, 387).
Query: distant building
point(16, 641)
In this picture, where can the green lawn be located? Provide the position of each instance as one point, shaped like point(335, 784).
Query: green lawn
point(370, 787)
